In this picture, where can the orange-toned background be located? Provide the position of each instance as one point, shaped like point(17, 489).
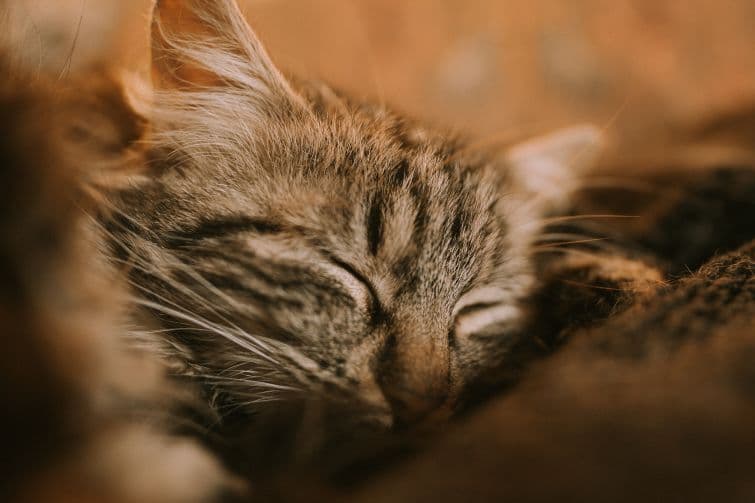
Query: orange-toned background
point(491, 67)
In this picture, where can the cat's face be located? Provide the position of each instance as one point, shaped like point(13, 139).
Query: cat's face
point(295, 244)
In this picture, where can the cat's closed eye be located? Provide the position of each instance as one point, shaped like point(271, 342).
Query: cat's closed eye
point(355, 283)
point(485, 311)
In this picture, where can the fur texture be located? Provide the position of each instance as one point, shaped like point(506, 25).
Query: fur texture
point(655, 404)
point(328, 283)
point(293, 246)
point(83, 421)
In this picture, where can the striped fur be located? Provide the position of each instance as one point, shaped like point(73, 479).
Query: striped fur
point(293, 245)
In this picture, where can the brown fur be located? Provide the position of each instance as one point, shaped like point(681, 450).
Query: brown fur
point(82, 421)
point(655, 404)
point(306, 262)
point(292, 249)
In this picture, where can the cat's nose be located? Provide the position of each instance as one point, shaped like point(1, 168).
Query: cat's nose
point(415, 377)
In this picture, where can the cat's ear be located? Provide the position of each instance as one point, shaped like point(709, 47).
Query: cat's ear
point(208, 44)
point(548, 168)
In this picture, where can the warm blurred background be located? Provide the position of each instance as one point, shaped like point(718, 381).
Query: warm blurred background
point(497, 68)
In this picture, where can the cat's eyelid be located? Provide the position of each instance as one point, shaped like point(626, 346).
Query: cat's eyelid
point(483, 308)
point(485, 296)
point(356, 288)
point(376, 306)
point(505, 315)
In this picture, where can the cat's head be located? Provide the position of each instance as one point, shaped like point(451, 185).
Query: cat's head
point(295, 244)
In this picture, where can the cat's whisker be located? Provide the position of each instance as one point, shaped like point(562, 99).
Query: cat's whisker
point(595, 287)
point(108, 206)
point(176, 285)
point(237, 367)
point(199, 278)
point(564, 243)
point(229, 408)
point(232, 303)
point(245, 341)
point(163, 331)
point(193, 294)
point(293, 367)
point(556, 236)
point(569, 251)
point(215, 379)
point(577, 218)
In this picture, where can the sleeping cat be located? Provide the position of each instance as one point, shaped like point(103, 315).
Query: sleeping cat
point(332, 276)
point(291, 246)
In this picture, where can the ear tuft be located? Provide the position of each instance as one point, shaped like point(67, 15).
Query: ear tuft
point(548, 168)
point(208, 43)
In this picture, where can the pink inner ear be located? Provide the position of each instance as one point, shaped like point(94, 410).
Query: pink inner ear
point(203, 44)
point(169, 70)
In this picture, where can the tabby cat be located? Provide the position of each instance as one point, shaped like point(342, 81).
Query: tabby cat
point(291, 246)
point(329, 281)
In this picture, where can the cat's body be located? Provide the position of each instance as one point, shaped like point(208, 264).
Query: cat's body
point(84, 417)
point(335, 281)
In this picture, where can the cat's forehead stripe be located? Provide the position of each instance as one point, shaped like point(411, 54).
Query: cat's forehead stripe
point(221, 226)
